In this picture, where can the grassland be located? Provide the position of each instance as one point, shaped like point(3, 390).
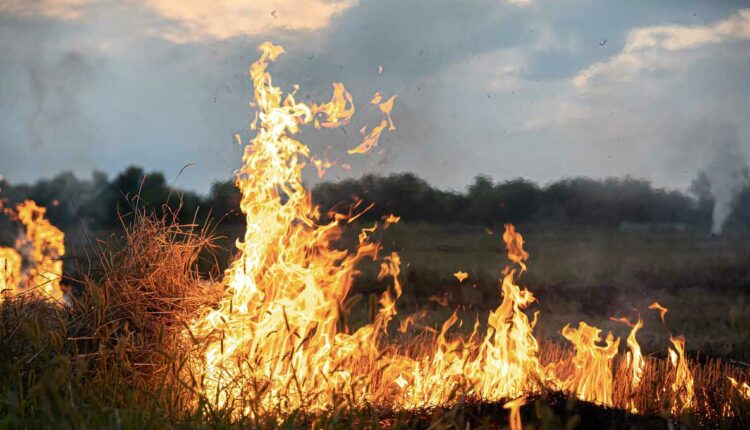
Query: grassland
point(578, 273)
point(84, 368)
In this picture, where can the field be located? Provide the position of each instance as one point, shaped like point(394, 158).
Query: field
point(579, 273)
point(94, 365)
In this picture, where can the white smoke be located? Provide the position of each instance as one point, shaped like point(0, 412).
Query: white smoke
point(727, 175)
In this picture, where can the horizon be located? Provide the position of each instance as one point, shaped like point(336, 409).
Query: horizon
point(173, 182)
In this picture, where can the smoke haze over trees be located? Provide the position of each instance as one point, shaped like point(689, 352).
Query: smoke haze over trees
point(613, 202)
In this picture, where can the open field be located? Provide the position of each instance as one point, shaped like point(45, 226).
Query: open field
point(579, 274)
point(114, 358)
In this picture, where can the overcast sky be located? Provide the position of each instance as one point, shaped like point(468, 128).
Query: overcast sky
point(537, 89)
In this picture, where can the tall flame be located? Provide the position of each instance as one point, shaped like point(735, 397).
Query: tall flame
point(279, 322)
point(592, 376)
point(682, 386)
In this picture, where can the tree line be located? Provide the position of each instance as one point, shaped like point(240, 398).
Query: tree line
point(99, 202)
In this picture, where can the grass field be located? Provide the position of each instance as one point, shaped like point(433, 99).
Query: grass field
point(577, 273)
point(105, 361)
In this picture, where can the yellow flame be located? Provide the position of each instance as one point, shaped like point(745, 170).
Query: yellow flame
point(43, 245)
point(279, 322)
point(46, 245)
point(682, 385)
point(461, 276)
point(279, 339)
point(592, 377)
point(10, 271)
point(514, 420)
point(743, 389)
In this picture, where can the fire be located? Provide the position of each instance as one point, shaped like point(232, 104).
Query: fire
point(657, 307)
point(743, 389)
point(43, 244)
point(461, 276)
point(514, 420)
point(46, 244)
point(10, 270)
point(634, 358)
point(591, 378)
point(682, 387)
point(278, 339)
point(278, 325)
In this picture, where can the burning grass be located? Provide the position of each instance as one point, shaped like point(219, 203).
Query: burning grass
point(116, 355)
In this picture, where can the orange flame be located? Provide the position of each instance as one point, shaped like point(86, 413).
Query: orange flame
point(743, 389)
point(10, 271)
point(42, 244)
point(657, 307)
point(278, 324)
point(390, 219)
point(278, 336)
point(682, 386)
point(461, 276)
point(514, 420)
point(592, 377)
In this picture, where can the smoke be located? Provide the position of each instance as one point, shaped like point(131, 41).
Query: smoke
point(727, 176)
point(54, 91)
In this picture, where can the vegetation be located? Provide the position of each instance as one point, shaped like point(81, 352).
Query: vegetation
point(612, 202)
point(117, 356)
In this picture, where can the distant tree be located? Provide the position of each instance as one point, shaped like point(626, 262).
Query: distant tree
point(224, 201)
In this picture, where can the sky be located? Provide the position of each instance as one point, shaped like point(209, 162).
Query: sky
point(526, 88)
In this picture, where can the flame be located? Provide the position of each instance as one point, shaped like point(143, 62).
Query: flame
point(278, 326)
point(461, 276)
point(682, 386)
point(502, 364)
point(46, 245)
point(390, 219)
point(743, 389)
point(514, 420)
point(370, 139)
point(10, 271)
point(592, 378)
point(634, 359)
point(657, 307)
point(278, 339)
point(43, 244)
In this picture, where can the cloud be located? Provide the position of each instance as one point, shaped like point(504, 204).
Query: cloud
point(60, 9)
point(199, 20)
point(648, 48)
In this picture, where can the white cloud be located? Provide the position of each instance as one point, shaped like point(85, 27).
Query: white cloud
point(519, 2)
point(196, 20)
point(60, 9)
point(649, 48)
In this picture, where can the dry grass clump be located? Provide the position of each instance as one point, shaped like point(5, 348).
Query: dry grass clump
point(119, 341)
point(133, 308)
